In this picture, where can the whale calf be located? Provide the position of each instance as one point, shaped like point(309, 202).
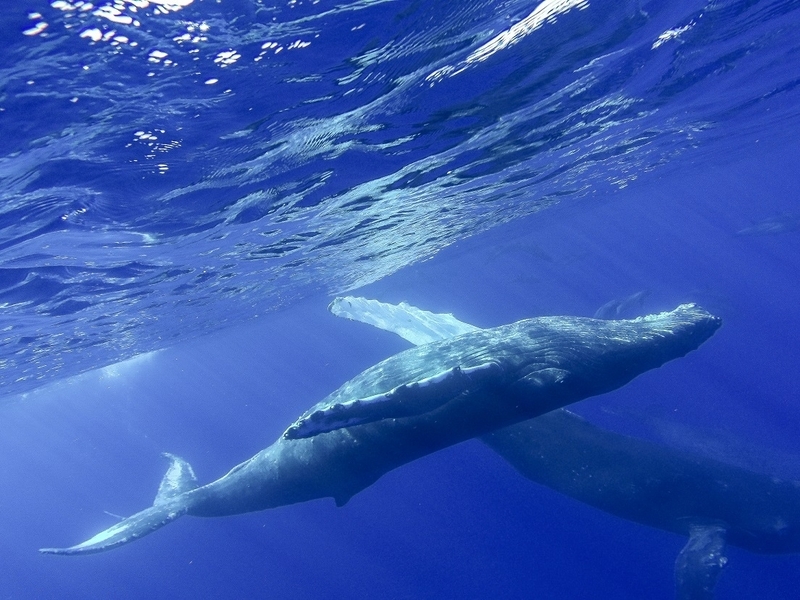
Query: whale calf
point(419, 401)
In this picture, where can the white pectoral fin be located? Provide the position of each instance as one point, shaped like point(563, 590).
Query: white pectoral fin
point(407, 400)
point(409, 322)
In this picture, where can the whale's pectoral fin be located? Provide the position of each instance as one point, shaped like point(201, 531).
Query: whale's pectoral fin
point(168, 506)
point(700, 563)
point(409, 399)
point(409, 322)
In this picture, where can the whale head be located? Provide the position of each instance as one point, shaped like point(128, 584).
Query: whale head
point(584, 357)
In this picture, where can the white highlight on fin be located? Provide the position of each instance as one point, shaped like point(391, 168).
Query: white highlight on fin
point(102, 536)
point(409, 322)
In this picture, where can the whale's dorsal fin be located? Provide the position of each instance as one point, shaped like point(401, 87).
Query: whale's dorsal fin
point(409, 322)
point(341, 500)
point(406, 400)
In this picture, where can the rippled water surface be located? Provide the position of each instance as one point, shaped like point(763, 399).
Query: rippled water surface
point(169, 168)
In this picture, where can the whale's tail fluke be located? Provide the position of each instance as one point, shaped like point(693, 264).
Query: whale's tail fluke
point(170, 503)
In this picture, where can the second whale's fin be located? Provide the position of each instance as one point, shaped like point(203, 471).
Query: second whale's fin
point(700, 563)
point(406, 400)
point(409, 322)
point(169, 504)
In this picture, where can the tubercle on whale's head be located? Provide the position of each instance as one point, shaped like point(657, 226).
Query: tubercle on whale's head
point(687, 326)
point(593, 356)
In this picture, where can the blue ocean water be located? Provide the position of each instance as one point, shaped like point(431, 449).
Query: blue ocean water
point(187, 184)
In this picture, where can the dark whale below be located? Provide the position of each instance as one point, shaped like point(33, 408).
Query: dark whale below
point(419, 401)
point(712, 502)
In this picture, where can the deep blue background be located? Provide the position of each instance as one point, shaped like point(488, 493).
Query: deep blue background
point(689, 192)
point(459, 524)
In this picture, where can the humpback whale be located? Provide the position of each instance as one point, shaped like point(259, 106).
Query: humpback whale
point(711, 502)
point(436, 394)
